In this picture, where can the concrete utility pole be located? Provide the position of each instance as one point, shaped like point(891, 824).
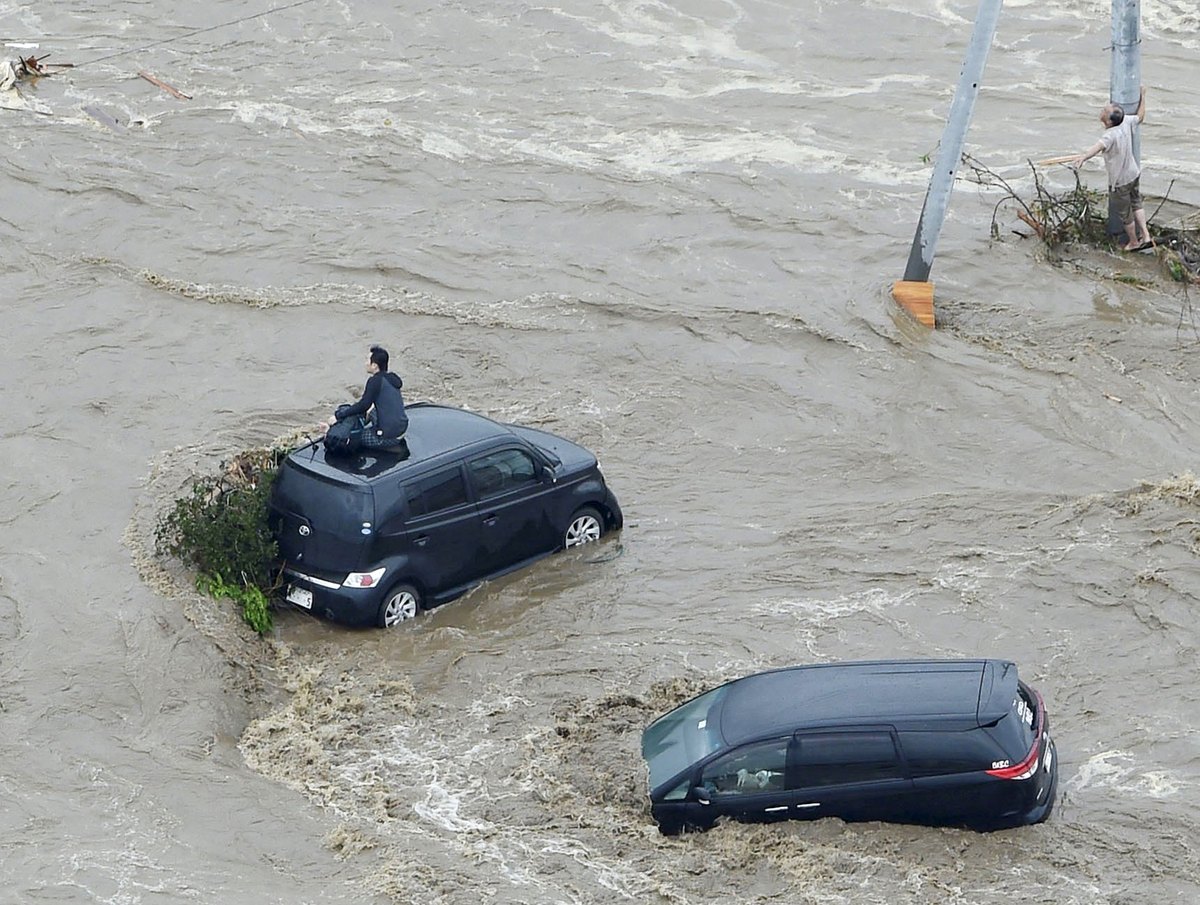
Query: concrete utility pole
point(1125, 78)
point(915, 292)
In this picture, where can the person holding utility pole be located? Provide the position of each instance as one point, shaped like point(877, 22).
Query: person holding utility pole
point(1124, 172)
point(384, 427)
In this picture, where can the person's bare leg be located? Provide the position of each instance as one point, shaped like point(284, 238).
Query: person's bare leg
point(1131, 232)
point(1139, 219)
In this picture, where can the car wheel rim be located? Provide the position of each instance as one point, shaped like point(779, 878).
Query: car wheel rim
point(400, 607)
point(583, 530)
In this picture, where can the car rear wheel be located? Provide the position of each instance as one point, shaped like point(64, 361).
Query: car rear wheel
point(586, 526)
point(400, 604)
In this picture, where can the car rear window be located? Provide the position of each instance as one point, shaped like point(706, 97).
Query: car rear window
point(332, 507)
point(1015, 732)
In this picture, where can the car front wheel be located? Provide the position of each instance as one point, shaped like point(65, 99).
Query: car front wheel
point(586, 526)
point(401, 603)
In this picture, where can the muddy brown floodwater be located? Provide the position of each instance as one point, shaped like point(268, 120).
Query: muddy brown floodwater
point(667, 231)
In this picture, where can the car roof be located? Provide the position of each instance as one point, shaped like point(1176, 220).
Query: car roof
point(867, 692)
point(433, 430)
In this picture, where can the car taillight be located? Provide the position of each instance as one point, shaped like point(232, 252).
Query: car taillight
point(1028, 766)
point(363, 579)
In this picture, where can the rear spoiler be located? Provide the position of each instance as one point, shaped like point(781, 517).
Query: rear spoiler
point(997, 690)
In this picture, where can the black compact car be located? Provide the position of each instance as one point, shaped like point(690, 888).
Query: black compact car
point(370, 539)
point(938, 742)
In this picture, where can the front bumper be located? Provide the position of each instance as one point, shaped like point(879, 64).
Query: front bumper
point(616, 517)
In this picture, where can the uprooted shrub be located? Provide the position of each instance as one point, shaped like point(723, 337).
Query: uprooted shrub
point(220, 529)
point(1079, 215)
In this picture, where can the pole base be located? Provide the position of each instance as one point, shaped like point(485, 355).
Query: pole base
point(916, 298)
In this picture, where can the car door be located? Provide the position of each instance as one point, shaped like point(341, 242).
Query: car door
point(441, 532)
point(747, 783)
point(854, 774)
point(513, 505)
point(950, 781)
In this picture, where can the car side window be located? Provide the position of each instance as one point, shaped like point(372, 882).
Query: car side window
point(502, 471)
point(754, 768)
point(837, 758)
point(432, 493)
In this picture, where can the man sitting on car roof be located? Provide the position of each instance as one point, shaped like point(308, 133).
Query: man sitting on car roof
point(381, 409)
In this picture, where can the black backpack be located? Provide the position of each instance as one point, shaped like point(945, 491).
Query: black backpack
point(344, 438)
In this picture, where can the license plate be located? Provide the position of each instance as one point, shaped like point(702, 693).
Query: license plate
point(300, 596)
point(1049, 756)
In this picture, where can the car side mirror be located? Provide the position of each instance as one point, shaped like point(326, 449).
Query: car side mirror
point(547, 474)
point(701, 795)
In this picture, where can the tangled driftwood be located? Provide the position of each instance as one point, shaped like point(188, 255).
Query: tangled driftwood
point(1080, 216)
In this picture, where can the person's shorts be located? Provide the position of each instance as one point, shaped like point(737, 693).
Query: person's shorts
point(1127, 199)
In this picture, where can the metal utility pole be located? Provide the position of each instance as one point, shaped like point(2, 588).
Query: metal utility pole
point(915, 292)
point(1125, 78)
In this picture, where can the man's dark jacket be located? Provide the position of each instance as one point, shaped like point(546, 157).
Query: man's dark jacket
point(383, 392)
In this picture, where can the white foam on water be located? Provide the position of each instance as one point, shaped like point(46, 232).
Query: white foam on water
point(678, 40)
point(416, 761)
point(616, 876)
point(945, 11)
point(1118, 771)
point(1178, 18)
point(443, 808)
point(483, 708)
point(445, 146)
point(876, 601)
point(282, 115)
point(116, 874)
point(873, 85)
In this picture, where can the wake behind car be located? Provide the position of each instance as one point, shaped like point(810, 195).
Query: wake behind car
point(936, 742)
point(371, 539)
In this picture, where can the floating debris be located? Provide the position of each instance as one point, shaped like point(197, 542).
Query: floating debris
point(103, 118)
point(13, 72)
point(1080, 216)
point(171, 90)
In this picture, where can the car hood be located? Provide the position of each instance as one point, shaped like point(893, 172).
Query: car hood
point(573, 456)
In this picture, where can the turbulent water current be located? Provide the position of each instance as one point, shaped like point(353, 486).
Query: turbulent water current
point(666, 229)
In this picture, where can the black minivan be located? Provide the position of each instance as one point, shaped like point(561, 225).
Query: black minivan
point(936, 742)
point(370, 539)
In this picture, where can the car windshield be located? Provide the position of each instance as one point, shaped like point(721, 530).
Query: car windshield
point(685, 735)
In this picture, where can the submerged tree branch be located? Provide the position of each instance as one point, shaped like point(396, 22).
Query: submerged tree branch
point(1079, 216)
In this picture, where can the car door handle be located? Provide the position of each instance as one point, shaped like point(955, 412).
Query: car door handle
point(809, 804)
point(421, 541)
point(490, 520)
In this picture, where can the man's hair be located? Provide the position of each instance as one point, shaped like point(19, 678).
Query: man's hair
point(379, 356)
point(1115, 115)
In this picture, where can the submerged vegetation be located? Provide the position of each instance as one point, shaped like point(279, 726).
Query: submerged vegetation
point(220, 529)
point(1079, 215)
